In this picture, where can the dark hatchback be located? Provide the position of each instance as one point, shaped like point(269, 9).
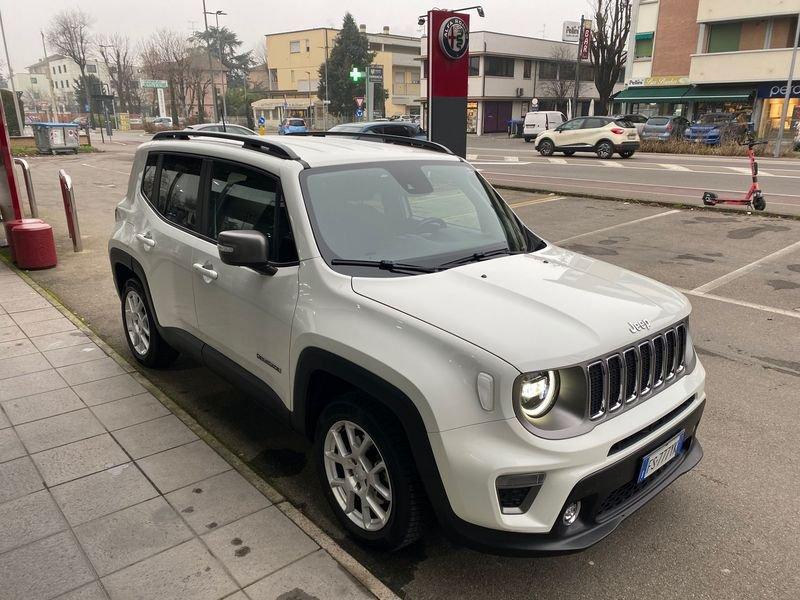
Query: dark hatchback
point(664, 128)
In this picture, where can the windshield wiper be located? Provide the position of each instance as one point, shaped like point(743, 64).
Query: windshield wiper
point(386, 265)
point(476, 257)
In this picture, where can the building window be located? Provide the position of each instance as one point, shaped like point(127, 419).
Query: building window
point(34, 80)
point(587, 72)
point(783, 32)
point(294, 47)
point(724, 37)
point(425, 69)
point(292, 74)
point(67, 82)
point(91, 68)
point(548, 70)
point(526, 69)
point(644, 45)
point(474, 66)
point(54, 70)
point(498, 66)
point(566, 70)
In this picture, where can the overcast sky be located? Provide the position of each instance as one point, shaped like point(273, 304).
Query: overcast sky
point(251, 19)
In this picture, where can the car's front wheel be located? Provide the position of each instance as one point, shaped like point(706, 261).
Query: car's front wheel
point(626, 153)
point(144, 341)
point(368, 475)
point(546, 148)
point(605, 150)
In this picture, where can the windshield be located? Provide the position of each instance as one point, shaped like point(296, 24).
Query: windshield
point(658, 121)
point(296, 123)
point(414, 212)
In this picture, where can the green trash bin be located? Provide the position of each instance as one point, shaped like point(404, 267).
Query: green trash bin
point(54, 138)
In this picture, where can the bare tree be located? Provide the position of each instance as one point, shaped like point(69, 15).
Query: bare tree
point(69, 35)
point(608, 54)
point(261, 63)
point(116, 53)
point(563, 87)
point(166, 55)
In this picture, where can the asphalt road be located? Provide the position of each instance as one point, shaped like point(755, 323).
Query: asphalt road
point(729, 529)
point(668, 178)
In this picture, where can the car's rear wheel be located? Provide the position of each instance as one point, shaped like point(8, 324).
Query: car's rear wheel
point(528, 139)
point(144, 341)
point(368, 475)
point(604, 149)
point(626, 153)
point(546, 148)
point(569, 152)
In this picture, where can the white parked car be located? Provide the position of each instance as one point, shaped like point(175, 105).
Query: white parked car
point(602, 135)
point(441, 356)
point(538, 121)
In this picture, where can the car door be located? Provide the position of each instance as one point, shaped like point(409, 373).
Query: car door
point(165, 233)
point(590, 132)
point(244, 314)
point(567, 134)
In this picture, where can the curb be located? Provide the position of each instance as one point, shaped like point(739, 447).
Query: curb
point(358, 571)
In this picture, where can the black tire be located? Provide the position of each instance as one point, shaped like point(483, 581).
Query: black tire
point(157, 354)
point(569, 152)
point(604, 150)
point(409, 514)
point(626, 153)
point(546, 148)
point(528, 139)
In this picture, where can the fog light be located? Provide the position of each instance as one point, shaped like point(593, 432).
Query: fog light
point(571, 513)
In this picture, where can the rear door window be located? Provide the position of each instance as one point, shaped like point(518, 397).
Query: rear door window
point(400, 130)
point(179, 187)
point(594, 123)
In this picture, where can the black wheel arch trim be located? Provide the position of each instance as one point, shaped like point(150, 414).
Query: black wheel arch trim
point(117, 256)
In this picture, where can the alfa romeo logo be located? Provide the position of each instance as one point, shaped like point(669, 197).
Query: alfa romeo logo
point(454, 37)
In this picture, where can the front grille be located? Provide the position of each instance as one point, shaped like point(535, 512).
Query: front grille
point(632, 373)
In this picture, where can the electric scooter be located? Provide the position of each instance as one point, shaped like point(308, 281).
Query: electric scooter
point(754, 198)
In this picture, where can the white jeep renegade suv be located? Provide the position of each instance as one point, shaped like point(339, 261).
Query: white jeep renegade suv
point(443, 358)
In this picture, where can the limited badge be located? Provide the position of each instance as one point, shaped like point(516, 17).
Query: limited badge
point(454, 37)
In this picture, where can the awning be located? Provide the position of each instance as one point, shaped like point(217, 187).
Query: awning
point(653, 94)
point(719, 94)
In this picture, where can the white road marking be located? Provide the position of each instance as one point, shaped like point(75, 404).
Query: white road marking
point(720, 281)
point(480, 162)
point(511, 158)
point(674, 167)
point(762, 307)
point(472, 156)
point(610, 163)
point(536, 201)
point(103, 169)
point(557, 161)
point(747, 171)
point(656, 216)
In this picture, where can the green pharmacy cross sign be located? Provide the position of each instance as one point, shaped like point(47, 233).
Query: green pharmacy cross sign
point(355, 74)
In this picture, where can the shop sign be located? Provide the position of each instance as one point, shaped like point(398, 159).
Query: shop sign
point(571, 31)
point(778, 90)
point(663, 80)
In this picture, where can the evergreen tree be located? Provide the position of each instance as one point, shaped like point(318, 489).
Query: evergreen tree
point(350, 49)
point(238, 64)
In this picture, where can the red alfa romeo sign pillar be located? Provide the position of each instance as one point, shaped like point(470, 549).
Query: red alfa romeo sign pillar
point(9, 199)
point(448, 72)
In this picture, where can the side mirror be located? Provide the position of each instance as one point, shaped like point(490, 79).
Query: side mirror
point(245, 249)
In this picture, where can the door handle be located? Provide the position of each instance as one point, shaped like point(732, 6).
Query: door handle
point(205, 270)
point(146, 239)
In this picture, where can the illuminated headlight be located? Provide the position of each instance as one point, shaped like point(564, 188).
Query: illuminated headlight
point(536, 393)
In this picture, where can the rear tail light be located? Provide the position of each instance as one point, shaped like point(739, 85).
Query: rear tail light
point(669, 126)
point(617, 130)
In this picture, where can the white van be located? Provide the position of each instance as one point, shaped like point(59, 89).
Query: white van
point(539, 121)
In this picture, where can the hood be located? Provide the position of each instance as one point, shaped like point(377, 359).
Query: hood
point(552, 308)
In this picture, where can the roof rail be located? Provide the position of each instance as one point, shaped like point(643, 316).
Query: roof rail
point(385, 137)
point(249, 142)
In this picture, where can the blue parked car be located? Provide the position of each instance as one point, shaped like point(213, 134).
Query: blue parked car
point(718, 127)
point(400, 128)
point(292, 125)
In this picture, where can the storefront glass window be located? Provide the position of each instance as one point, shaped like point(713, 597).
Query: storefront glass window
point(472, 117)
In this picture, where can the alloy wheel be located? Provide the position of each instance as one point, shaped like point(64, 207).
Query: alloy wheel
point(137, 323)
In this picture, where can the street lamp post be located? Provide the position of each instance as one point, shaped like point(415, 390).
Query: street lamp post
point(789, 83)
point(210, 68)
point(217, 14)
point(308, 93)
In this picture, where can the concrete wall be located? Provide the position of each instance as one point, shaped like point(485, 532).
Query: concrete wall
point(732, 10)
point(740, 67)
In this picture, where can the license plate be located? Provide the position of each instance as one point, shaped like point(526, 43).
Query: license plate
point(631, 135)
point(661, 456)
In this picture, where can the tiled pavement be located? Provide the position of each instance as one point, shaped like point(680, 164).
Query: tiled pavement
point(104, 493)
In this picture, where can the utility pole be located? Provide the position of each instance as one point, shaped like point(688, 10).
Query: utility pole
point(20, 122)
point(210, 66)
point(216, 14)
point(50, 81)
point(308, 93)
point(789, 83)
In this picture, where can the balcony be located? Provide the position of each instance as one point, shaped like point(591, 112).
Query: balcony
point(731, 10)
point(743, 66)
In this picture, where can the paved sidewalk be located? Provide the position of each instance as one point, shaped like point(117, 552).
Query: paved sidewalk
point(105, 493)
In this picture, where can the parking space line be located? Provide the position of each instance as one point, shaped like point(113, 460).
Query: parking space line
point(761, 307)
point(670, 167)
point(557, 161)
point(656, 216)
point(536, 201)
point(720, 281)
point(610, 163)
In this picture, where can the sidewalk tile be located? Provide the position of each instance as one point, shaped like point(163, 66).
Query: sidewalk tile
point(17, 291)
point(78, 459)
point(11, 333)
point(103, 493)
point(54, 341)
point(45, 568)
point(44, 327)
point(217, 501)
point(19, 478)
point(15, 306)
point(40, 406)
point(16, 348)
point(259, 544)
point(10, 446)
point(4, 422)
point(130, 411)
point(28, 519)
point(186, 572)
point(33, 383)
point(91, 371)
point(106, 390)
point(34, 316)
point(132, 534)
point(316, 576)
point(59, 430)
point(63, 357)
point(93, 591)
point(5, 320)
point(173, 469)
point(154, 436)
point(22, 365)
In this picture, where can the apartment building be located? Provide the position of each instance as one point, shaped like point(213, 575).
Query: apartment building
point(64, 73)
point(506, 72)
point(695, 56)
point(291, 75)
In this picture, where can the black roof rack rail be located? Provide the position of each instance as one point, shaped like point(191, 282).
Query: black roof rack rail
point(249, 142)
point(385, 137)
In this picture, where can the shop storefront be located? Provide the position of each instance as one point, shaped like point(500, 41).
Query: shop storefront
point(654, 101)
point(472, 117)
point(771, 96)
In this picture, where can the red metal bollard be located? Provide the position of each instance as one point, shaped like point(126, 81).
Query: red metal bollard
point(34, 245)
point(9, 226)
